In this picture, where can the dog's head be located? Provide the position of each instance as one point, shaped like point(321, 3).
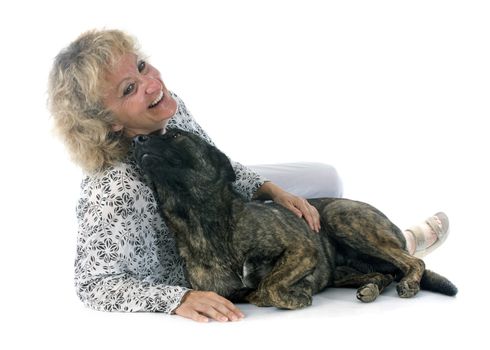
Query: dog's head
point(181, 162)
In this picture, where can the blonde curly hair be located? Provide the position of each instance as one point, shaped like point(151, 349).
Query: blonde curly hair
point(75, 98)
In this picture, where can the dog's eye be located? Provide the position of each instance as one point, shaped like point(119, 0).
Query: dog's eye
point(177, 134)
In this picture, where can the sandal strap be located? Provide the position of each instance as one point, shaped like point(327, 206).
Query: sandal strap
point(441, 229)
point(434, 226)
point(419, 237)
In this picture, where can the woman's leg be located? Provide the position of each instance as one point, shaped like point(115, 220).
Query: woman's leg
point(307, 180)
point(316, 180)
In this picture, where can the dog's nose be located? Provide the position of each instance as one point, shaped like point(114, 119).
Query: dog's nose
point(139, 139)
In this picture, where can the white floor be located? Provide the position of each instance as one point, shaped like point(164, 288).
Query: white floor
point(335, 319)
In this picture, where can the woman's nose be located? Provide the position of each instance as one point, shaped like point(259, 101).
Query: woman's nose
point(153, 85)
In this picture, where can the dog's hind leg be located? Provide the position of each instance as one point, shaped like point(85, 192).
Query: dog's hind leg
point(411, 268)
point(288, 285)
point(369, 285)
point(364, 233)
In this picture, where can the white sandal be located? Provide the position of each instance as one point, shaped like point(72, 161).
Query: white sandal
point(442, 231)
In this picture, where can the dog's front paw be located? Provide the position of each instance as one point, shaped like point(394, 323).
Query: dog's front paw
point(368, 293)
point(295, 300)
point(407, 289)
point(283, 300)
point(290, 299)
point(258, 299)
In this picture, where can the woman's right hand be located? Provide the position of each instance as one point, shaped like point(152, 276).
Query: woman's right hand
point(200, 306)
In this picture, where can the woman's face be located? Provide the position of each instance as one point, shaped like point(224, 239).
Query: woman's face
point(137, 96)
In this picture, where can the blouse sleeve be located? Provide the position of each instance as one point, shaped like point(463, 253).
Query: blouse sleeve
point(247, 181)
point(125, 259)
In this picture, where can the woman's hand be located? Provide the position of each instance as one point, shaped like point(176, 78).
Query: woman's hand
point(200, 306)
point(301, 208)
point(297, 205)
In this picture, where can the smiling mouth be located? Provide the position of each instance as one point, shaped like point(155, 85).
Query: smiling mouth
point(157, 100)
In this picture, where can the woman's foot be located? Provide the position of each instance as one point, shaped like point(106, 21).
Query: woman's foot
point(422, 239)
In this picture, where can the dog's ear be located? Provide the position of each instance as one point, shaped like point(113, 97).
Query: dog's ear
point(223, 164)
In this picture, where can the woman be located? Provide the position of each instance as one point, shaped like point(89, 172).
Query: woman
point(101, 94)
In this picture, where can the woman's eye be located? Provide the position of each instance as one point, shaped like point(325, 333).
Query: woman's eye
point(129, 89)
point(141, 66)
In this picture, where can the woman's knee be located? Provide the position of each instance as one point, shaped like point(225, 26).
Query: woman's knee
point(324, 180)
point(305, 179)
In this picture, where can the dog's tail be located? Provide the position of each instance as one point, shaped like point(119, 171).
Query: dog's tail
point(436, 283)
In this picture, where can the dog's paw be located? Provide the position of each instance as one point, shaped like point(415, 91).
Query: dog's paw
point(295, 300)
point(368, 293)
point(407, 289)
point(258, 299)
point(280, 298)
point(301, 300)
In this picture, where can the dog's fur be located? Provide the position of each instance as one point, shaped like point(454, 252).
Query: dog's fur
point(261, 252)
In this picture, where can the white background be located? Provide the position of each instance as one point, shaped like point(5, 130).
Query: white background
point(394, 94)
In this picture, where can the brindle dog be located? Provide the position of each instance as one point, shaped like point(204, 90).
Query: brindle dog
point(261, 252)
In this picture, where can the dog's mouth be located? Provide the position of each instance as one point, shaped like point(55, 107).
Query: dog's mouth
point(150, 159)
point(146, 157)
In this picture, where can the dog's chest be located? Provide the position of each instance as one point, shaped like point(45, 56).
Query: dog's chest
point(212, 272)
point(210, 260)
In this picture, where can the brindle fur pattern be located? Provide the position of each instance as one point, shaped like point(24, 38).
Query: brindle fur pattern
point(261, 252)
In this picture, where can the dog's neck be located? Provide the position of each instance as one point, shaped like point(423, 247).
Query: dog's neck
point(201, 216)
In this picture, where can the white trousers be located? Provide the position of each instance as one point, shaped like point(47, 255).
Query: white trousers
point(305, 179)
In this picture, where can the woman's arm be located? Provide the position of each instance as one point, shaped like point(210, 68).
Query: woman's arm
point(297, 205)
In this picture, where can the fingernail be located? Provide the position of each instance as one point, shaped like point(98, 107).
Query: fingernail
point(223, 319)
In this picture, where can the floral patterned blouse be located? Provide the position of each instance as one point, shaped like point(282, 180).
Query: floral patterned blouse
point(126, 257)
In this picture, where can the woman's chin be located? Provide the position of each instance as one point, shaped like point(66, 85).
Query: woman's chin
point(168, 107)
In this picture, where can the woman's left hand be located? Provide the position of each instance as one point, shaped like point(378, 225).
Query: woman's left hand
point(301, 208)
point(297, 205)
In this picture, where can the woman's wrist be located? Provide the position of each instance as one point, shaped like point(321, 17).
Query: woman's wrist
point(268, 190)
